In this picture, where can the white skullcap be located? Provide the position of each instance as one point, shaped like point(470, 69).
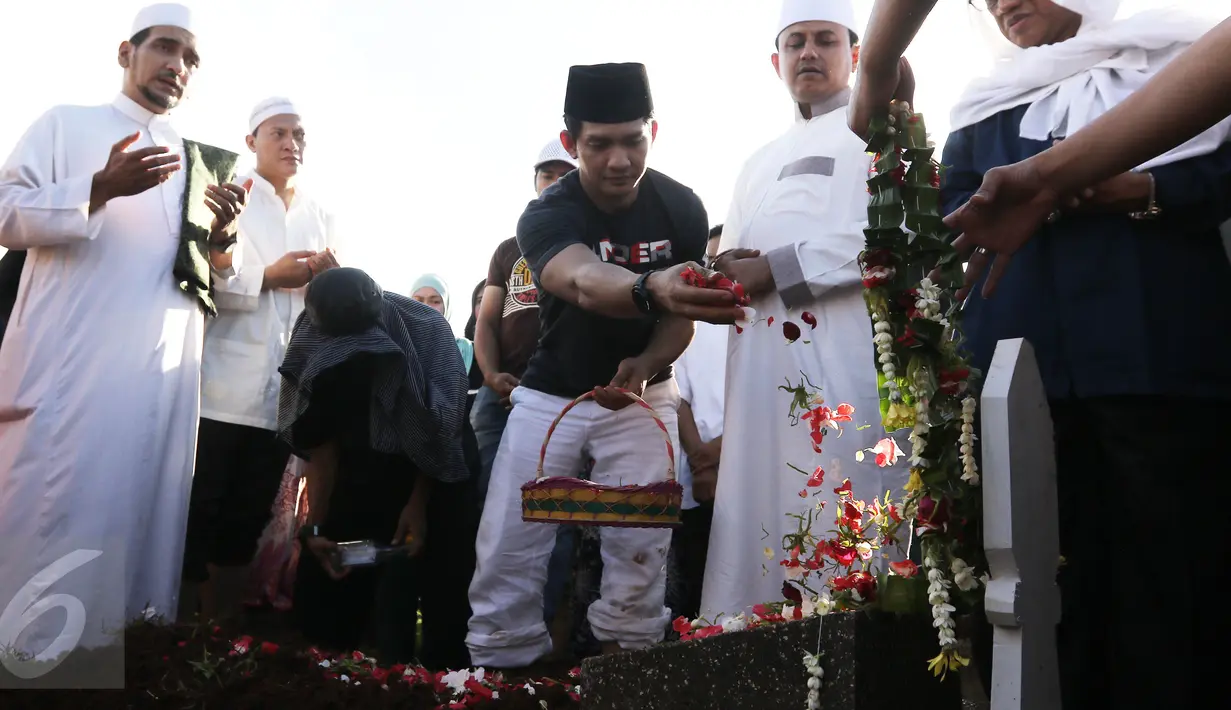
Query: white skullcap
point(166, 13)
point(841, 12)
point(267, 109)
point(554, 152)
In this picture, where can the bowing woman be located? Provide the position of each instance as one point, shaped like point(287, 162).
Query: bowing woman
point(373, 397)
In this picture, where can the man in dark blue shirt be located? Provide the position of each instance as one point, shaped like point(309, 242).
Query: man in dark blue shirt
point(1123, 295)
point(607, 246)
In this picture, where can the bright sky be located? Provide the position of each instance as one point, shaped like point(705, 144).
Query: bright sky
point(424, 117)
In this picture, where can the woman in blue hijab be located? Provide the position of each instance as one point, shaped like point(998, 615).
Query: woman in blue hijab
point(431, 290)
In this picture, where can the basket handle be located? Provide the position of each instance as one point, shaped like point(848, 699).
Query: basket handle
point(662, 428)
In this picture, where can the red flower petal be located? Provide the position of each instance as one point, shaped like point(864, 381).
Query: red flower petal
point(808, 318)
point(906, 568)
point(770, 321)
point(790, 331)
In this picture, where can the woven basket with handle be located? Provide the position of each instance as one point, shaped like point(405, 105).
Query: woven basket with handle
point(573, 501)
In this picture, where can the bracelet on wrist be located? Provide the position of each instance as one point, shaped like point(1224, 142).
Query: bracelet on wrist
point(1151, 211)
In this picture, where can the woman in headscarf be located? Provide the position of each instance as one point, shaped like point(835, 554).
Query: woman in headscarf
point(373, 397)
point(1122, 294)
point(431, 290)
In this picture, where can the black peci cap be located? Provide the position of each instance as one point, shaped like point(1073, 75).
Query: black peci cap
point(608, 93)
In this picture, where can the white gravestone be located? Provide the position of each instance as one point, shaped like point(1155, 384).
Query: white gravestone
point(1021, 531)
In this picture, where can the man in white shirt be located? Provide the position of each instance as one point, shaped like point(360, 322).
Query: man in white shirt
point(701, 372)
point(120, 218)
point(285, 238)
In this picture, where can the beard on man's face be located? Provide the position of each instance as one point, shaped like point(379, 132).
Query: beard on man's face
point(167, 102)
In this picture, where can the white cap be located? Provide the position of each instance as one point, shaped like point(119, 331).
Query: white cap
point(167, 13)
point(841, 12)
point(267, 109)
point(554, 152)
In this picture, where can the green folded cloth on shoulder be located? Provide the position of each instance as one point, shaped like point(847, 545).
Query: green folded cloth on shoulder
point(205, 165)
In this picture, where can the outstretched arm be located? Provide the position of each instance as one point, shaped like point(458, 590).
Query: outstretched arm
point(891, 29)
point(567, 268)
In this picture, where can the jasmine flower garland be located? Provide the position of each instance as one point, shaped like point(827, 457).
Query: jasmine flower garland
point(910, 272)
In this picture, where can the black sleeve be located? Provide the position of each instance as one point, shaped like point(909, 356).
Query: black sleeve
point(546, 228)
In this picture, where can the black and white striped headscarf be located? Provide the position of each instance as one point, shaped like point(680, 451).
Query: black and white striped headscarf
point(418, 397)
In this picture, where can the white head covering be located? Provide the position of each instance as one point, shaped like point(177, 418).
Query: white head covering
point(267, 109)
point(841, 12)
point(1094, 13)
point(1070, 84)
point(554, 152)
point(167, 13)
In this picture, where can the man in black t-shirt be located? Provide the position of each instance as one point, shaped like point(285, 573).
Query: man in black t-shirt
point(607, 245)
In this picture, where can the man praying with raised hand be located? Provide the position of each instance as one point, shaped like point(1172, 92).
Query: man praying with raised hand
point(121, 219)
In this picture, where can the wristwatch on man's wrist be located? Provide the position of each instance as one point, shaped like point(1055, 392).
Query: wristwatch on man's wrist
point(641, 295)
point(308, 531)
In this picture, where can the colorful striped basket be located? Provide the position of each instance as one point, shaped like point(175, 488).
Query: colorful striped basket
point(573, 501)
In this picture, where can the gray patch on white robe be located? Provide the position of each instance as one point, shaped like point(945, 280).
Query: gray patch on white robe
point(811, 165)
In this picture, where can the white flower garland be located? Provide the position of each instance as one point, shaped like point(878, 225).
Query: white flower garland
point(928, 301)
point(970, 469)
point(918, 435)
point(812, 663)
point(820, 606)
point(964, 575)
point(938, 597)
point(883, 339)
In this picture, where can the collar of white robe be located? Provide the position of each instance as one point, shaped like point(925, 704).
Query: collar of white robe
point(163, 14)
point(139, 113)
point(841, 99)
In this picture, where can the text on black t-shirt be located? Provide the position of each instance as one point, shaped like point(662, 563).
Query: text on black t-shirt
point(579, 350)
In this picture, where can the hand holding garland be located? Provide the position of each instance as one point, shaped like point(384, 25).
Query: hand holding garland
point(884, 74)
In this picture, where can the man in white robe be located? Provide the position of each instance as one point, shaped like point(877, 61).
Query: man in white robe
point(100, 365)
point(793, 238)
point(287, 238)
